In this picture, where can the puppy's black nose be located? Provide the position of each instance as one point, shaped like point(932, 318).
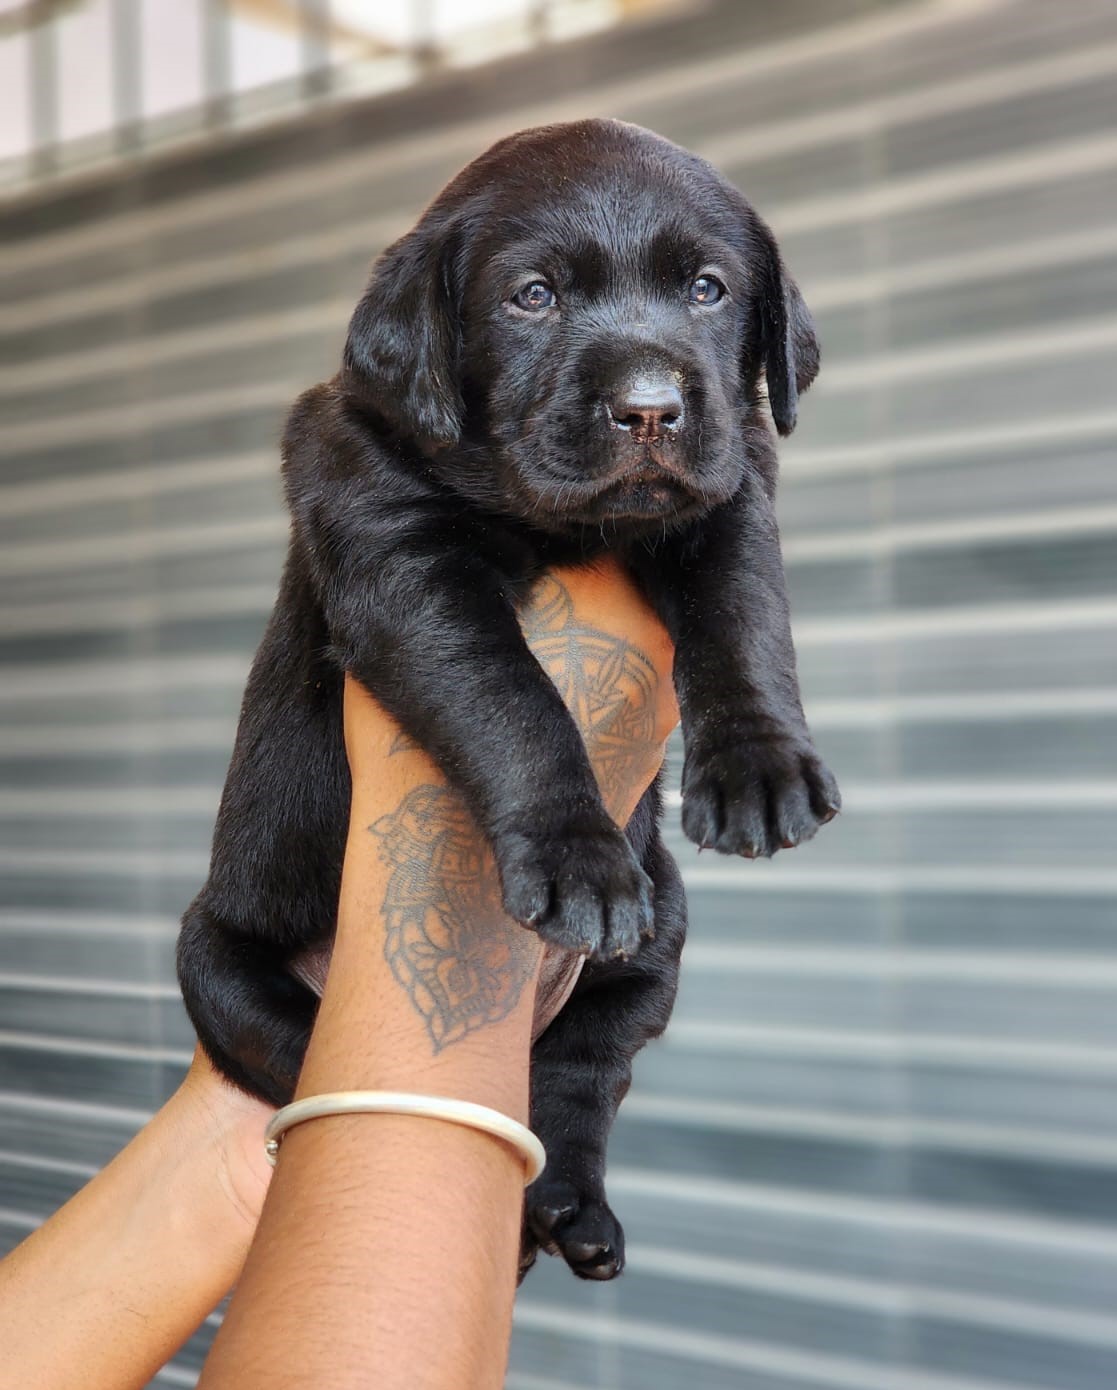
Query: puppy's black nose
point(649, 406)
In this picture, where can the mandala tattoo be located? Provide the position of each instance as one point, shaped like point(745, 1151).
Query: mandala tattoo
point(608, 685)
point(448, 942)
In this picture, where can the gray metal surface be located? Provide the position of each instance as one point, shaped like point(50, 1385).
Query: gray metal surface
point(878, 1150)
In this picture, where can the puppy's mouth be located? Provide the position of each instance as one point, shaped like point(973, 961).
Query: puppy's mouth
point(647, 490)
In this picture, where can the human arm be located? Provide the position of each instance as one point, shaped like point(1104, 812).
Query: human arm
point(388, 1249)
point(108, 1288)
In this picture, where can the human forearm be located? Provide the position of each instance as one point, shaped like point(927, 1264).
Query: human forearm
point(112, 1284)
point(387, 1255)
point(388, 1251)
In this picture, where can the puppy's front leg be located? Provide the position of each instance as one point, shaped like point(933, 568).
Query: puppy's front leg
point(752, 780)
point(425, 623)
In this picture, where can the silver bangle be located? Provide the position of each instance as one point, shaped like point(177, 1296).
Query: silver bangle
point(457, 1112)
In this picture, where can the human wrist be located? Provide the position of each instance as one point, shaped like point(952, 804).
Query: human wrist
point(224, 1128)
point(369, 1035)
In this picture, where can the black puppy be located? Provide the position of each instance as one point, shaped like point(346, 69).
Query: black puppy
point(568, 354)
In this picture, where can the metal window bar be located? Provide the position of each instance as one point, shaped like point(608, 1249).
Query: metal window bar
point(42, 73)
point(217, 65)
point(424, 44)
point(127, 89)
point(315, 51)
point(539, 22)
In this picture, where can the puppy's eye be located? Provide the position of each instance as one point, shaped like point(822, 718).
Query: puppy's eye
point(705, 290)
point(535, 296)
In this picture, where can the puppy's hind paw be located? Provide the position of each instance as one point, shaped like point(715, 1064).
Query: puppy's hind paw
point(579, 1226)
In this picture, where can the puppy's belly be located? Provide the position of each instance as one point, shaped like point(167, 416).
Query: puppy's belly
point(557, 977)
point(312, 966)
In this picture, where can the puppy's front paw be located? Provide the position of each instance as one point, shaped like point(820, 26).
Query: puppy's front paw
point(581, 888)
point(578, 1225)
point(753, 796)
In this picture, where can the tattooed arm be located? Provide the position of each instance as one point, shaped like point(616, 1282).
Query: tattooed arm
point(387, 1252)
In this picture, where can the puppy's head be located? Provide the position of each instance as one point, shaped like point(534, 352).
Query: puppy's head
point(576, 331)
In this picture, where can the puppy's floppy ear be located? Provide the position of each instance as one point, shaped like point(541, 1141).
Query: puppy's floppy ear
point(402, 354)
point(788, 344)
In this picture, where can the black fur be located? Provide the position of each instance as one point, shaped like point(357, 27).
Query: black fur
point(467, 443)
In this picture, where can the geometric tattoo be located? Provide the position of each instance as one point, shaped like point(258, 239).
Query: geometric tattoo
point(461, 962)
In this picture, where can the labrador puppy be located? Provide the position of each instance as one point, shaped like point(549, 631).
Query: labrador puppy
point(581, 347)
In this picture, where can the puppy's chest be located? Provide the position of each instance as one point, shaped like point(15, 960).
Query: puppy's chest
point(542, 550)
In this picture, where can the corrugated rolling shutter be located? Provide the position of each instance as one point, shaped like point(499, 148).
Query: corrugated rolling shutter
point(878, 1150)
